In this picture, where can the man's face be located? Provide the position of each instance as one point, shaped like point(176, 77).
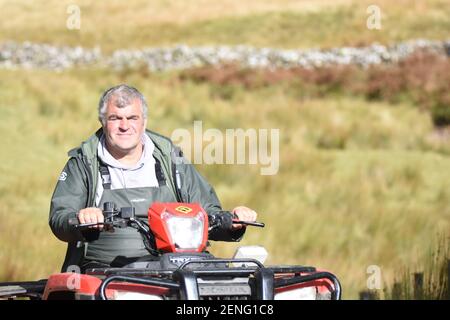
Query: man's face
point(124, 127)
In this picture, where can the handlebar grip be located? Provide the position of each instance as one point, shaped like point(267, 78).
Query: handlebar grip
point(222, 220)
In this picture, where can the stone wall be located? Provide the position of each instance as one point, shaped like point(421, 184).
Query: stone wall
point(32, 55)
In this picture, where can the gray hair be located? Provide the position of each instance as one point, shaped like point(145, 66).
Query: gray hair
point(124, 95)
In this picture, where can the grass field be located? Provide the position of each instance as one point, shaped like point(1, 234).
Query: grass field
point(380, 200)
point(361, 182)
point(289, 24)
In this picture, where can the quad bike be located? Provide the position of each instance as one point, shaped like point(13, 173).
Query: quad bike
point(179, 267)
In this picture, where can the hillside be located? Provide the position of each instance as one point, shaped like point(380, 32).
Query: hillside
point(362, 179)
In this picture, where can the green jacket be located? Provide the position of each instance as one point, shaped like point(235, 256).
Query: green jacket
point(77, 186)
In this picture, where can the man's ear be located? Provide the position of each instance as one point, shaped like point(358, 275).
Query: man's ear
point(145, 123)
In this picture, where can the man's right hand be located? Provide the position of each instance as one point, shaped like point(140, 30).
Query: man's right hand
point(91, 215)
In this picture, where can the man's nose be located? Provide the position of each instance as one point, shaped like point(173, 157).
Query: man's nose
point(124, 124)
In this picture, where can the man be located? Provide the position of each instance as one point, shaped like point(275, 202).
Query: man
point(130, 166)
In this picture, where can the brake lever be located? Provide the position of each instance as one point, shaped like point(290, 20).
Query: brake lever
point(108, 226)
point(85, 225)
point(248, 223)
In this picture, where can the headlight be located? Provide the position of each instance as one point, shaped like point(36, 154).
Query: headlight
point(186, 233)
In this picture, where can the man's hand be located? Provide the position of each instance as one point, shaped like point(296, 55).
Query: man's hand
point(243, 214)
point(91, 215)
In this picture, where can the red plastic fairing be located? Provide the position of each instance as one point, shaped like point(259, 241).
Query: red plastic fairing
point(160, 230)
point(89, 286)
point(72, 282)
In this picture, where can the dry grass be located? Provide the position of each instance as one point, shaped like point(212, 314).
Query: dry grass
point(434, 272)
point(423, 79)
point(287, 23)
point(360, 181)
point(158, 11)
point(375, 199)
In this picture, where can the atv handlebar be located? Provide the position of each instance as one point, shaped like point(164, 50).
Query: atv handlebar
point(73, 222)
point(113, 218)
point(125, 216)
point(248, 223)
point(225, 219)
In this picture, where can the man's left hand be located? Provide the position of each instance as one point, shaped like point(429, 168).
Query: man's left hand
point(243, 214)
